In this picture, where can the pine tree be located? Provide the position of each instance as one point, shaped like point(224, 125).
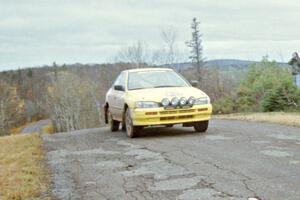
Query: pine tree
point(55, 69)
point(30, 73)
point(196, 47)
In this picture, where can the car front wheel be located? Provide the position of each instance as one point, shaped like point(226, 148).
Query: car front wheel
point(201, 126)
point(113, 124)
point(132, 131)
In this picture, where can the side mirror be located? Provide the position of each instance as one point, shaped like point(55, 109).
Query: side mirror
point(119, 88)
point(194, 83)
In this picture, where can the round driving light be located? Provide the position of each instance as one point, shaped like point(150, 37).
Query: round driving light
point(182, 101)
point(165, 102)
point(174, 101)
point(191, 100)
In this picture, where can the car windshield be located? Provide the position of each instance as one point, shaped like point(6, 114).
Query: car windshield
point(155, 79)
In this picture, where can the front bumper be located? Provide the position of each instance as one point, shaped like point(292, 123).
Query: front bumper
point(161, 116)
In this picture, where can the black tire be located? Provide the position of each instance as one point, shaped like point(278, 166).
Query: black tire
point(132, 131)
point(201, 126)
point(169, 125)
point(123, 124)
point(113, 124)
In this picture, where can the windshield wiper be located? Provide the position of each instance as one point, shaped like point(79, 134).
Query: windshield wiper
point(137, 88)
point(161, 86)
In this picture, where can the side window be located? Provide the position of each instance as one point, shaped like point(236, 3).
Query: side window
point(120, 81)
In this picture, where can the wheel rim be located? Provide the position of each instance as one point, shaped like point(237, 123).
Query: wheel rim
point(128, 123)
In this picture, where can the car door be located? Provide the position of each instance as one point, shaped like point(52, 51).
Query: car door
point(117, 97)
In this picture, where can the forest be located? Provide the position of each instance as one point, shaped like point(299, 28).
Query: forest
point(72, 95)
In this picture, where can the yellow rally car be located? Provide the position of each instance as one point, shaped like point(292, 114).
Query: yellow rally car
point(155, 96)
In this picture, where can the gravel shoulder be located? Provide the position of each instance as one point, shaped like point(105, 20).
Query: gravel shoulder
point(233, 160)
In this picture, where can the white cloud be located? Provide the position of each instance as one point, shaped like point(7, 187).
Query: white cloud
point(37, 32)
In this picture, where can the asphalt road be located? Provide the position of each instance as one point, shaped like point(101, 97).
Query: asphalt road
point(35, 127)
point(233, 160)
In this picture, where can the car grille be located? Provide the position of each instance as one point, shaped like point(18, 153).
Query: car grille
point(168, 112)
point(176, 117)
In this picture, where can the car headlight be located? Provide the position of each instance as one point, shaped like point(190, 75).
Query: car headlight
point(182, 101)
point(146, 104)
point(202, 101)
point(165, 102)
point(191, 101)
point(174, 101)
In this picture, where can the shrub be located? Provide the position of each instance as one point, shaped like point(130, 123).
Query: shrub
point(280, 99)
point(224, 105)
point(267, 87)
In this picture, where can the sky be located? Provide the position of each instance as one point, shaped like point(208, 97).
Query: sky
point(39, 32)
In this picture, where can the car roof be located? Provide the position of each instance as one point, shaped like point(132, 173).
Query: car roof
point(148, 69)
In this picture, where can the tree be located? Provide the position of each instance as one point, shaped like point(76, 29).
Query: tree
point(29, 73)
point(69, 103)
point(135, 54)
point(19, 76)
point(55, 68)
point(196, 47)
point(169, 38)
point(10, 107)
point(267, 87)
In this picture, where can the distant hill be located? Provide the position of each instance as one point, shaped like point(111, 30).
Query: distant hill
point(221, 64)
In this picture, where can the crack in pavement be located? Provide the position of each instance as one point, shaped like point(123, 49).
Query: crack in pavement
point(243, 178)
point(244, 181)
point(169, 181)
point(95, 164)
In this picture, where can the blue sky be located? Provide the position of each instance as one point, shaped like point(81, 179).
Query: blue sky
point(37, 32)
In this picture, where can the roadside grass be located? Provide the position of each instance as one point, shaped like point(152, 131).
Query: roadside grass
point(22, 173)
point(291, 119)
point(17, 130)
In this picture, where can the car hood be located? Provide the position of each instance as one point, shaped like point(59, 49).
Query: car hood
point(157, 94)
